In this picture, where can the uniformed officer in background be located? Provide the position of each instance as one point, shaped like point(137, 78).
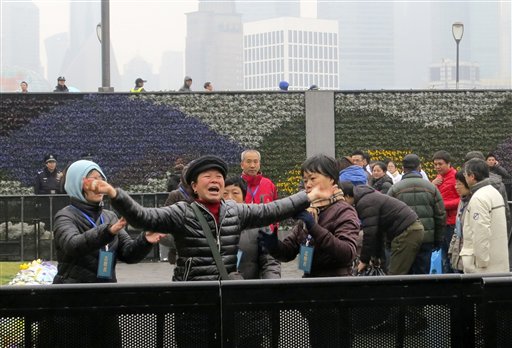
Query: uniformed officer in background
point(48, 179)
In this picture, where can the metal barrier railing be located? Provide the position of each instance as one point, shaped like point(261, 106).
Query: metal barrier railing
point(393, 311)
point(26, 223)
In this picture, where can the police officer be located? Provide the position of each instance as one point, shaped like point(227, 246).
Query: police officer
point(48, 179)
point(139, 86)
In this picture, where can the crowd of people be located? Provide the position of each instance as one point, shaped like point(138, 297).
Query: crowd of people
point(139, 86)
point(352, 215)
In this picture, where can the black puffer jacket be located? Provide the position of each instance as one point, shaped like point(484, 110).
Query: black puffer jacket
point(78, 243)
point(382, 219)
point(195, 260)
point(382, 184)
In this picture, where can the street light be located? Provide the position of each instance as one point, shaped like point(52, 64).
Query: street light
point(98, 32)
point(457, 31)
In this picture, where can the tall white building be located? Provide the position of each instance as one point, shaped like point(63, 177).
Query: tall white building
point(301, 51)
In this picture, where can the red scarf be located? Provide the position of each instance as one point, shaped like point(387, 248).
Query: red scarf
point(213, 208)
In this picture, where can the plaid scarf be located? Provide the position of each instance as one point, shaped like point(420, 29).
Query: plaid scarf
point(321, 204)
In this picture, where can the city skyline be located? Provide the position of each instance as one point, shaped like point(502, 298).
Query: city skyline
point(145, 32)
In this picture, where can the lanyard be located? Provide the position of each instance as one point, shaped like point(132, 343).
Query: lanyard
point(184, 192)
point(253, 193)
point(91, 220)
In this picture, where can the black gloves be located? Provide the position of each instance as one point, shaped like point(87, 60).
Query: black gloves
point(267, 240)
point(308, 219)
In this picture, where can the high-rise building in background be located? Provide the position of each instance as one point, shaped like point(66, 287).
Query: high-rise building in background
point(443, 75)
point(82, 61)
point(301, 51)
point(254, 11)
point(412, 44)
point(486, 40)
point(366, 42)
point(56, 46)
point(19, 44)
point(214, 46)
point(135, 68)
point(172, 71)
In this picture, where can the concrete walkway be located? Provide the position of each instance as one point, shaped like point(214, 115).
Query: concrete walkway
point(161, 272)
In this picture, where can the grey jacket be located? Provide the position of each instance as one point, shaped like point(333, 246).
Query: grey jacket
point(195, 260)
point(256, 263)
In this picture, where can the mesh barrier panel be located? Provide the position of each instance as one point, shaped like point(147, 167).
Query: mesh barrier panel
point(504, 328)
point(138, 330)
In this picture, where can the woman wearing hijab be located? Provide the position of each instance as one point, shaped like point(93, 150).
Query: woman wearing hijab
point(86, 234)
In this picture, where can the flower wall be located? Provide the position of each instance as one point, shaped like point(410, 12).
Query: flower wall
point(137, 138)
point(389, 123)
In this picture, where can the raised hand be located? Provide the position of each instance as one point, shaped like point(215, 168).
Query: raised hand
point(118, 226)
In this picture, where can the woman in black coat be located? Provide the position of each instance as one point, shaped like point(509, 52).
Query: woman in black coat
point(85, 233)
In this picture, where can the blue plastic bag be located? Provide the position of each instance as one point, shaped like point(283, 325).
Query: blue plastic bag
point(436, 263)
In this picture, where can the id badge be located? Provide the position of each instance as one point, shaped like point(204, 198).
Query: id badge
point(105, 264)
point(305, 258)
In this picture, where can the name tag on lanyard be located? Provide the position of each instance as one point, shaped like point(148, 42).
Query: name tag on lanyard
point(306, 256)
point(105, 264)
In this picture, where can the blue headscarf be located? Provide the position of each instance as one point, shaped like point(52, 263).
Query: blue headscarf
point(75, 176)
point(354, 174)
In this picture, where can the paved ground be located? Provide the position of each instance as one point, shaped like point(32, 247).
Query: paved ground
point(158, 272)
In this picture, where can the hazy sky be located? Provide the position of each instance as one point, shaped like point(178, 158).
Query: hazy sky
point(145, 28)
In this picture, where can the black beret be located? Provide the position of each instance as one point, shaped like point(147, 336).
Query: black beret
point(203, 164)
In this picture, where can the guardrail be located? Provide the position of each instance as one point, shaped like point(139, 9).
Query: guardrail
point(393, 311)
point(26, 224)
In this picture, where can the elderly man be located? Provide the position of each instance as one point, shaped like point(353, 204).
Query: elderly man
point(259, 188)
point(485, 246)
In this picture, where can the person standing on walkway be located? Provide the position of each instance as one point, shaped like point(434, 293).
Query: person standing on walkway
point(47, 181)
point(61, 85)
point(485, 245)
point(445, 183)
point(425, 199)
point(187, 82)
point(139, 86)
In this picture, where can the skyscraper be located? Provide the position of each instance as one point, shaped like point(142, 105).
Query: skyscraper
point(171, 71)
point(254, 11)
point(214, 46)
point(302, 51)
point(366, 42)
point(19, 41)
point(486, 40)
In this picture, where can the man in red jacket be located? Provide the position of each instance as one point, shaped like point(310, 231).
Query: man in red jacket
point(445, 182)
point(259, 188)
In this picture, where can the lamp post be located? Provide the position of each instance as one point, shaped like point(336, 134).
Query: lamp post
point(103, 32)
point(457, 31)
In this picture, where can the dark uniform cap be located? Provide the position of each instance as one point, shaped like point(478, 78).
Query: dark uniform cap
point(203, 164)
point(49, 158)
point(61, 78)
point(411, 161)
point(139, 80)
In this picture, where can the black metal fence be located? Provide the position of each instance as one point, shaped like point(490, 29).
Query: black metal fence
point(26, 224)
point(394, 311)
